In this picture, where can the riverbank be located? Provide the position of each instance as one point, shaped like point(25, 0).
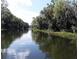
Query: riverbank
point(66, 35)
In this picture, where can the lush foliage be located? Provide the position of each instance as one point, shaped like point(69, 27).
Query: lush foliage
point(9, 21)
point(59, 15)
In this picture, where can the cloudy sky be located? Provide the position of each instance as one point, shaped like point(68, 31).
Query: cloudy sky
point(26, 9)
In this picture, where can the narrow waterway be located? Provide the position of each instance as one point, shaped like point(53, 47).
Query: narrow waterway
point(29, 45)
point(24, 48)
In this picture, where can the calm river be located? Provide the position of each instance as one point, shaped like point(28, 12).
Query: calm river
point(36, 45)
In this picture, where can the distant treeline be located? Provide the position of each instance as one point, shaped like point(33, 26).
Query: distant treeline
point(59, 15)
point(9, 21)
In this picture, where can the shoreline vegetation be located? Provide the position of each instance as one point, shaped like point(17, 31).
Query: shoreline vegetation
point(59, 19)
point(66, 35)
point(9, 21)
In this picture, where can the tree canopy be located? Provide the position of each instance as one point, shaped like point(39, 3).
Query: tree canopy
point(9, 21)
point(59, 15)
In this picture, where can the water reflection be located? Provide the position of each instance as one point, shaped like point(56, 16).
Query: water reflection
point(12, 54)
point(8, 36)
point(22, 47)
point(55, 47)
point(36, 45)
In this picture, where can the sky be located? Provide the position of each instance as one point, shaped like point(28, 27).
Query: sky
point(26, 9)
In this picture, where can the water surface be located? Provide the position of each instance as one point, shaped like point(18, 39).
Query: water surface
point(31, 45)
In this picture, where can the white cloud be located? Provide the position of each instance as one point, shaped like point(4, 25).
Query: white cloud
point(25, 15)
point(20, 9)
point(20, 2)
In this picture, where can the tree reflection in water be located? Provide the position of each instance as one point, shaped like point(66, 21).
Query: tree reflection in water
point(8, 36)
point(55, 47)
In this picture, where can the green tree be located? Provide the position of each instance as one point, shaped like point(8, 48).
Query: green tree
point(59, 15)
point(9, 21)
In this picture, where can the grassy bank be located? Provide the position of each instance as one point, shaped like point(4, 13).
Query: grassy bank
point(66, 35)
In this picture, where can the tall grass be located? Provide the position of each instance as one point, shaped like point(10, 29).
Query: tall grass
point(67, 35)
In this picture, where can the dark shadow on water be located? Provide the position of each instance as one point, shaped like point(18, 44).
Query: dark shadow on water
point(55, 47)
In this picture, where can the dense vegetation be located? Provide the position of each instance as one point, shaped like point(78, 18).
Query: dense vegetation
point(59, 15)
point(9, 21)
